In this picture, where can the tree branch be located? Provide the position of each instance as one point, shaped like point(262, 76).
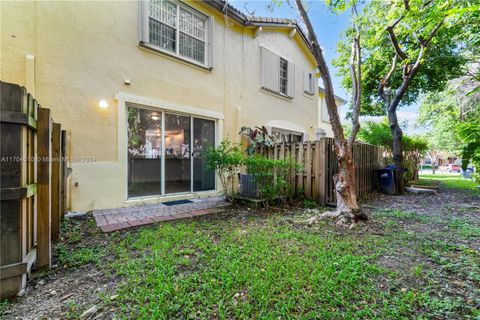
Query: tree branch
point(355, 71)
point(325, 74)
point(434, 32)
point(414, 34)
point(394, 41)
point(356, 75)
point(425, 4)
point(384, 81)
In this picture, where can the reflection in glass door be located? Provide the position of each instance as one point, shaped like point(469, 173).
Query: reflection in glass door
point(177, 154)
point(203, 138)
point(144, 152)
point(161, 147)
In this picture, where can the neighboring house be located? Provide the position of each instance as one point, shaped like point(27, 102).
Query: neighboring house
point(324, 128)
point(143, 88)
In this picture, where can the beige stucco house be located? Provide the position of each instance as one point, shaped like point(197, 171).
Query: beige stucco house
point(143, 87)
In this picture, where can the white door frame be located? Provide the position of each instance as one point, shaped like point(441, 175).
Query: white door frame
point(125, 98)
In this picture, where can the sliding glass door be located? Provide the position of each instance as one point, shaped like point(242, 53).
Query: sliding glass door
point(203, 138)
point(177, 153)
point(144, 152)
point(161, 159)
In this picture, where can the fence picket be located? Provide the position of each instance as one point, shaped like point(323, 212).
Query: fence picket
point(319, 163)
point(308, 169)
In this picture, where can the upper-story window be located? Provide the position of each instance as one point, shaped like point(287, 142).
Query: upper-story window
point(308, 83)
point(175, 28)
point(283, 76)
point(278, 74)
point(324, 110)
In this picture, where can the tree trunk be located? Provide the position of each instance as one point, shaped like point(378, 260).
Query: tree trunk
point(348, 210)
point(433, 166)
point(345, 184)
point(397, 135)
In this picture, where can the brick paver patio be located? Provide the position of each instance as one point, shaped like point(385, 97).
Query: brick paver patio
point(110, 220)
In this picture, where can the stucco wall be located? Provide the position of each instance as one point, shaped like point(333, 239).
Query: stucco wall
point(84, 50)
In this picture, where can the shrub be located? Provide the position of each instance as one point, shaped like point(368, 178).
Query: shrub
point(273, 176)
point(226, 161)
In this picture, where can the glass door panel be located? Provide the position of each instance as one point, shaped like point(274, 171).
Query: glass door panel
point(177, 154)
point(203, 137)
point(144, 152)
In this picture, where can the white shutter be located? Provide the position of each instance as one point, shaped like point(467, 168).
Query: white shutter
point(312, 83)
point(270, 71)
point(306, 82)
point(264, 62)
point(210, 24)
point(291, 79)
point(324, 111)
point(143, 21)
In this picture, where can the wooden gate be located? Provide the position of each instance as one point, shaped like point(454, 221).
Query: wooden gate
point(31, 209)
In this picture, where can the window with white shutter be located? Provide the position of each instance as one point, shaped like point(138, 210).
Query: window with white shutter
point(175, 28)
point(278, 74)
point(308, 82)
point(324, 110)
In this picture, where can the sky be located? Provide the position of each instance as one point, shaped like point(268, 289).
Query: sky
point(329, 27)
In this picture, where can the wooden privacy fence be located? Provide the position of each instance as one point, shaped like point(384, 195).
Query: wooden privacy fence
point(320, 165)
point(32, 185)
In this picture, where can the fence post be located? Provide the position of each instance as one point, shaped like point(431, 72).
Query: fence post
point(293, 173)
point(322, 171)
point(44, 133)
point(308, 169)
point(55, 183)
point(15, 190)
point(316, 171)
point(63, 175)
point(301, 174)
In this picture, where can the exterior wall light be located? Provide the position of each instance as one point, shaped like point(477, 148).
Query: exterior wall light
point(103, 104)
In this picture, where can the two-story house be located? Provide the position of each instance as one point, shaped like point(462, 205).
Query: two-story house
point(144, 87)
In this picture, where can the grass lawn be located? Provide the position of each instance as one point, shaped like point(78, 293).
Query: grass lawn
point(226, 270)
point(417, 257)
point(451, 180)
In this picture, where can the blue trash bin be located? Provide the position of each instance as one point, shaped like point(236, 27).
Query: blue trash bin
point(386, 181)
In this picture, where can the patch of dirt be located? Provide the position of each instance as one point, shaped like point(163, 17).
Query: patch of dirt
point(66, 291)
point(62, 294)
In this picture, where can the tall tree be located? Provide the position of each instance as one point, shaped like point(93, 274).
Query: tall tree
point(348, 211)
point(412, 47)
point(414, 147)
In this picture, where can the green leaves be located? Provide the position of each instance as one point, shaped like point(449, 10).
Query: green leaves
point(225, 160)
point(378, 133)
point(257, 136)
point(442, 61)
point(453, 118)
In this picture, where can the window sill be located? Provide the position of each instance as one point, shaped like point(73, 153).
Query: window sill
point(154, 49)
point(308, 95)
point(278, 95)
